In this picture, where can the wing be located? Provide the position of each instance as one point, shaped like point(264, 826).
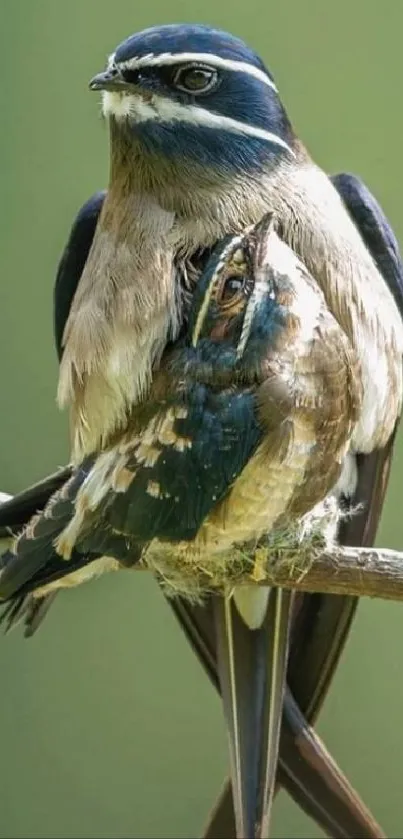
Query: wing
point(31, 559)
point(160, 485)
point(198, 623)
point(72, 263)
point(375, 231)
point(32, 563)
point(181, 464)
point(326, 620)
point(17, 512)
point(322, 622)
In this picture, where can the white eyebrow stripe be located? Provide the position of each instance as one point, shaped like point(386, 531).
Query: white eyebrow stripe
point(218, 61)
point(167, 110)
point(232, 246)
point(258, 293)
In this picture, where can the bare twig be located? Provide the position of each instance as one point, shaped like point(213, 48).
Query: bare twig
point(365, 572)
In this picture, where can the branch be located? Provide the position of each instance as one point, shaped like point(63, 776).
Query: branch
point(304, 563)
point(296, 557)
point(364, 572)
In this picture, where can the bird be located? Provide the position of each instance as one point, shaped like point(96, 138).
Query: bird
point(245, 427)
point(200, 118)
point(202, 146)
point(248, 314)
point(261, 386)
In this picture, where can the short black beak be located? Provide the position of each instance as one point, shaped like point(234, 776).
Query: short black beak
point(108, 80)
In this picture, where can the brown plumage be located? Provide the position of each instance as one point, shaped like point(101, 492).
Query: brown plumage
point(301, 379)
point(127, 304)
point(192, 206)
point(308, 402)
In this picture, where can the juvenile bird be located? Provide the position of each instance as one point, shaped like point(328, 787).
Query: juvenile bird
point(246, 425)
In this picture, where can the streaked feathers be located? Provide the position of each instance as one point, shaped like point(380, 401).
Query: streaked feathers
point(224, 446)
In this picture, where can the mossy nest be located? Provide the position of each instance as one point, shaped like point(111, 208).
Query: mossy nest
point(294, 543)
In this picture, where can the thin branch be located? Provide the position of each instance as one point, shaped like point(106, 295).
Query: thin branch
point(305, 564)
point(364, 572)
point(295, 557)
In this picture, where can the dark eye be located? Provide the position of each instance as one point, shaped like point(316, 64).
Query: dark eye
point(193, 78)
point(130, 76)
point(232, 288)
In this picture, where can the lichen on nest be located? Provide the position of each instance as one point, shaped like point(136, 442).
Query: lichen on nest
point(294, 543)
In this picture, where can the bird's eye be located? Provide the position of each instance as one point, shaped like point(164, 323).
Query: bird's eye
point(130, 76)
point(195, 78)
point(231, 289)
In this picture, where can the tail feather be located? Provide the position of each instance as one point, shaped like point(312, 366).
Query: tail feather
point(26, 610)
point(333, 802)
point(252, 668)
point(314, 781)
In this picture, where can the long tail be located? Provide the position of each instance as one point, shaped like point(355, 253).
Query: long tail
point(252, 664)
point(314, 780)
point(303, 757)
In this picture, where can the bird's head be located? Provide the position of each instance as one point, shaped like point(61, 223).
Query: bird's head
point(195, 100)
point(241, 307)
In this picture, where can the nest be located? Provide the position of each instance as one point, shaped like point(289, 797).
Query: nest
point(182, 571)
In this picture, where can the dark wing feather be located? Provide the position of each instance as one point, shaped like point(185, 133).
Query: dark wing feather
point(375, 230)
point(72, 263)
point(205, 452)
point(28, 611)
point(32, 553)
point(323, 623)
point(16, 513)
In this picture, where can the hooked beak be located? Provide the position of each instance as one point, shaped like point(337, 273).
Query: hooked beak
point(110, 79)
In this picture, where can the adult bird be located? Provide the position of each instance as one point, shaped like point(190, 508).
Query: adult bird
point(201, 146)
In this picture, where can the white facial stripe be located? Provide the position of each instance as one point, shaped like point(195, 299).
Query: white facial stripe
point(161, 109)
point(259, 290)
point(232, 245)
point(168, 58)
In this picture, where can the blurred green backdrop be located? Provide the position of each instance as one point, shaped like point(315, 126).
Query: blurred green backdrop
point(107, 725)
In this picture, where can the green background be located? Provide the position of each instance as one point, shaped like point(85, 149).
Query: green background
point(107, 725)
